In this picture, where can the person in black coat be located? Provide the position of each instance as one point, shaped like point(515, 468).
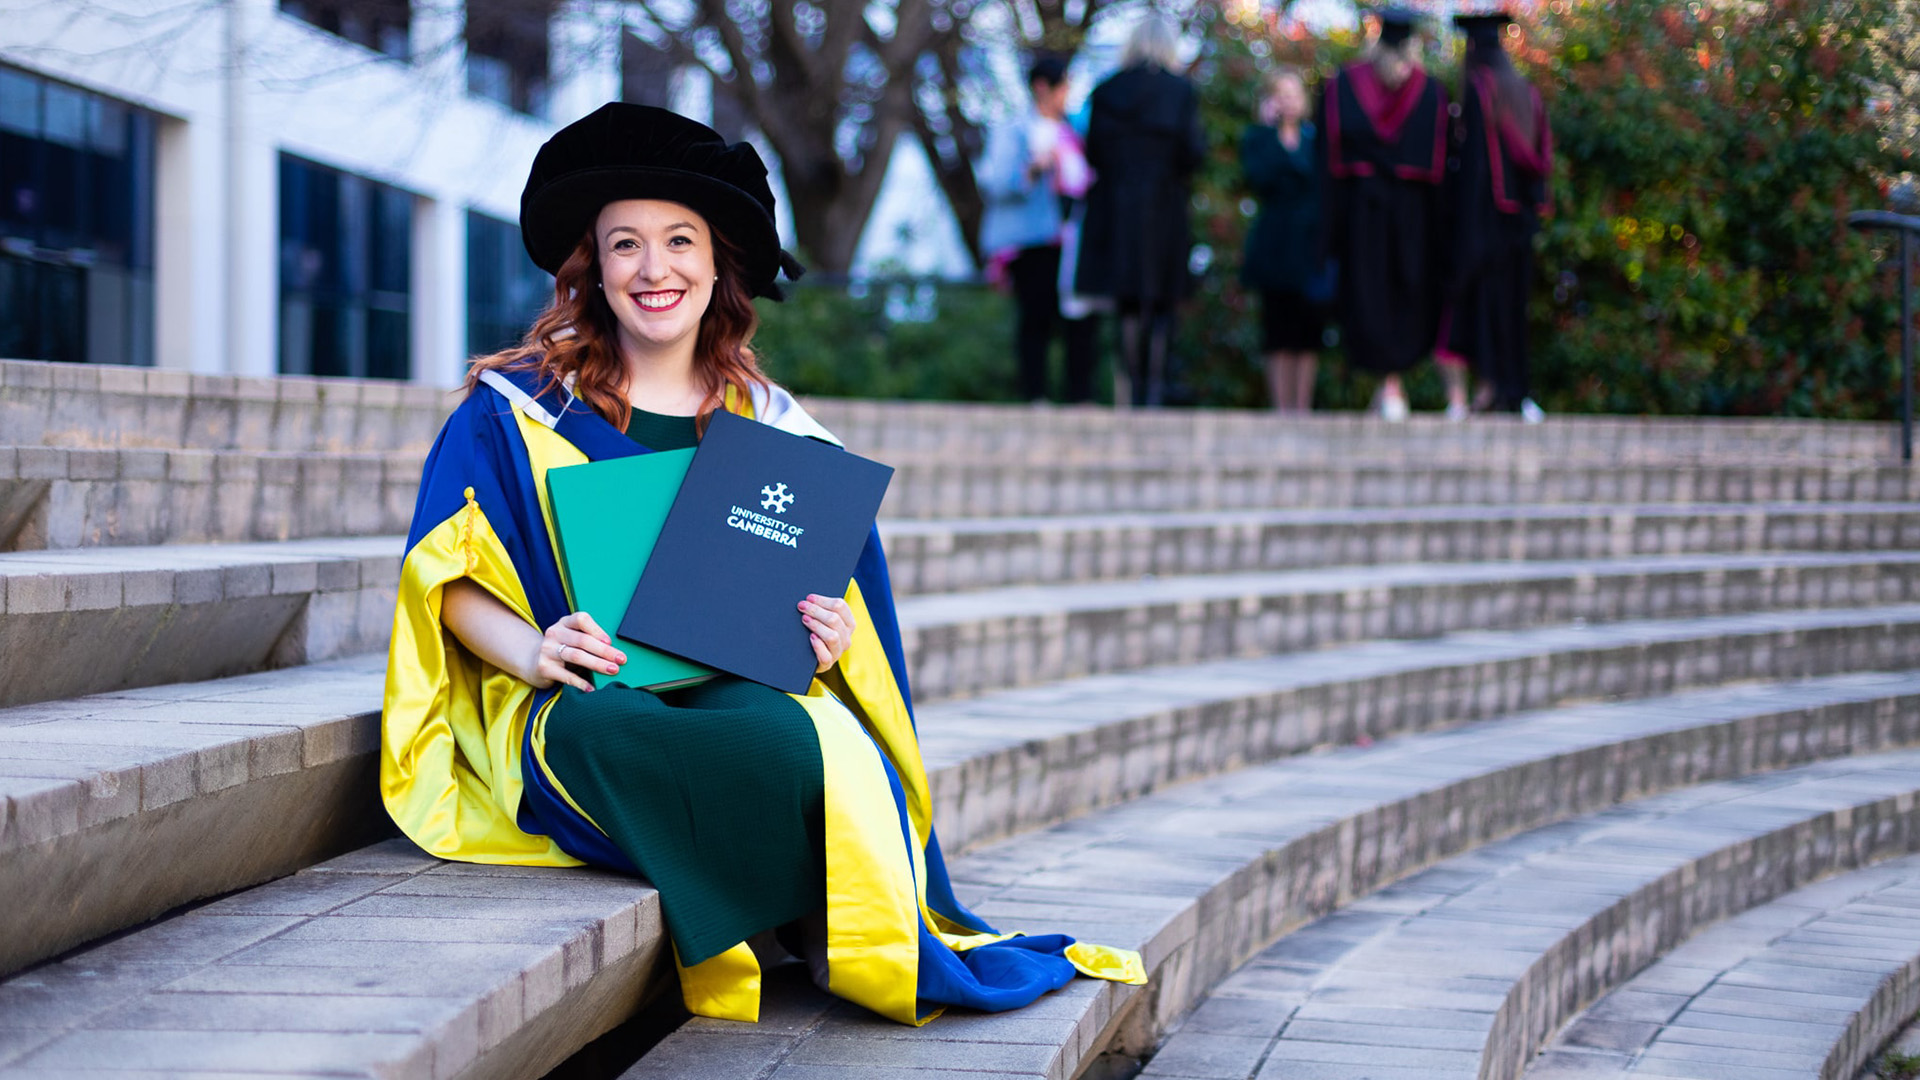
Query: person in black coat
point(1143, 142)
point(1498, 192)
point(1383, 124)
point(1282, 258)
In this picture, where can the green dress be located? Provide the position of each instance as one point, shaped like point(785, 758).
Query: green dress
point(713, 791)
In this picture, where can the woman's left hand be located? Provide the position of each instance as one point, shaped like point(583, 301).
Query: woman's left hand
point(830, 621)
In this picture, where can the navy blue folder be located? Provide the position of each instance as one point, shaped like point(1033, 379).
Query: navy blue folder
point(763, 519)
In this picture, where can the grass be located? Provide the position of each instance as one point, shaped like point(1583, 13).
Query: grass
point(1898, 1065)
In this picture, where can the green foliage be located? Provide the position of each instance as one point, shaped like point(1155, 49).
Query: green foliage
point(1897, 1065)
point(921, 340)
point(1697, 260)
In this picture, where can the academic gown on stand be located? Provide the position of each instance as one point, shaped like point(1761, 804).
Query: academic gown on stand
point(1384, 163)
point(1497, 196)
point(462, 757)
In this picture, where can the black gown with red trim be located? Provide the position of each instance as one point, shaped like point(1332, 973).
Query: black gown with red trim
point(1383, 166)
point(1496, 196)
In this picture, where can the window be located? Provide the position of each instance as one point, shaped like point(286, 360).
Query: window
point(380, 25)
point(507, 52)
point(505, 291)
point(76, 224)
point(346, 263)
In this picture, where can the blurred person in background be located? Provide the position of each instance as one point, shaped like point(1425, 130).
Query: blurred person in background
point(1283, 258)
point(1032, 166)
point(1143, 142)
point(1497, 193)
point(1384, 130)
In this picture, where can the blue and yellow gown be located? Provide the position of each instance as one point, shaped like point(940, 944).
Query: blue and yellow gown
point(463, 769)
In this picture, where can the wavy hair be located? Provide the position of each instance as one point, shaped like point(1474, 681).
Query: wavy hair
point(578, 336)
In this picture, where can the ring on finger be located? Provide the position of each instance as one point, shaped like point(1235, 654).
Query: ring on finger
point(561, 653)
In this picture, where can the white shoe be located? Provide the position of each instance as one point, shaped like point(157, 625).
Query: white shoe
point(1393, 408)
point(1530, 412)
point(1457, 412)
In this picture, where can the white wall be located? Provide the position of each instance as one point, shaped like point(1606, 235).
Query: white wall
point(240, 82)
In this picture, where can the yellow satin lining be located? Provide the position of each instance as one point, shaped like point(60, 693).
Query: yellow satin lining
point(450, 778)
point(724, 987)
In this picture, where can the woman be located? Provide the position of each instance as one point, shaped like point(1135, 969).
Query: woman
point(1499, 192)
point(1385, 128)
point(1032, 167)
point(1282, 260)
point(750, 810)
point(1143, 142)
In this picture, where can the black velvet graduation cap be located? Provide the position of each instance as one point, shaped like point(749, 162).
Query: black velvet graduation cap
point(624, 151)
point(1396, 23)
point(1483, 30)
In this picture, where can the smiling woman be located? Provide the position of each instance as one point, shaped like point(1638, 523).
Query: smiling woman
point(749, 809)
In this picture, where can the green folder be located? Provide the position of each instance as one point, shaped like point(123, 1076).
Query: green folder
point(606, 516)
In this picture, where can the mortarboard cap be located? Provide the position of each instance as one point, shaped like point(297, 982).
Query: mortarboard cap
point(1396, 23)
point(1483, 30)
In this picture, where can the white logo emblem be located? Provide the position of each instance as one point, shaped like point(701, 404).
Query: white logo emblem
point(776, 498)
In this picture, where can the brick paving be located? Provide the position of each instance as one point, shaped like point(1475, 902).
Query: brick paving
point(1808, 986)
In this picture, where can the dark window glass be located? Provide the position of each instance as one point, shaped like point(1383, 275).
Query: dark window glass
point(380, 25)
point(76, 224)
point(507, 52)
point(505, 291)
point(346, 267)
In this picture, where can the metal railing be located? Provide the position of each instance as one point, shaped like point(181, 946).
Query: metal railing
point(1906, 226)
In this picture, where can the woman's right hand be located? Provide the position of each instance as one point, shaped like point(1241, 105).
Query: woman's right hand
point(575, 641)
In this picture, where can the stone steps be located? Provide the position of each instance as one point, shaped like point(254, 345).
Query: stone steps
point(190, 612)
point(960, 644)
point(945, 556)
point(107, 406)
point(137, 779)
point(1202, 876)
point(91, 620)
point(387, 962)
point(1462, 971)
point(59, 497)
point(1806, 987)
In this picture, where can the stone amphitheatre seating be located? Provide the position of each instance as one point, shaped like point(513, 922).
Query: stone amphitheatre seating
point(1417, 751)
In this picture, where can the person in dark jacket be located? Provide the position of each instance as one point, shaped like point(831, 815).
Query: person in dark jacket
point(1498, 192)
point(1383, 127)
point(1282, 259)
point(1143, 141)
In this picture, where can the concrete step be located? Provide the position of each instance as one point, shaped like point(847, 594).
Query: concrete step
point(54, 497)
point(388, 963)
point(90, 620)
point(1203, 876)
point(137, 779)
point(945, 556)
point(1464, 970)
point(960, 644)
point(57, 497)
point(1807, 986)
point(385, 962)
point(80, 405)
point(101, 406)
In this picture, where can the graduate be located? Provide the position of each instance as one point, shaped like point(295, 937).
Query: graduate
point(751, 810)
point(1496, 196)
point(1384, 128)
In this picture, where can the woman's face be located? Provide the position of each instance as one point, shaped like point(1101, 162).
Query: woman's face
point(656, 270)
point(1289, 99)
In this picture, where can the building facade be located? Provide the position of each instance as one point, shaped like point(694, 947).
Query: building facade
point(286, 186)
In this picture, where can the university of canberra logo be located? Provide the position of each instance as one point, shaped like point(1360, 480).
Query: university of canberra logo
point(774, 497)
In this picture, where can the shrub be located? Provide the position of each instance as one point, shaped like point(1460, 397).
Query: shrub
point(1697, 260)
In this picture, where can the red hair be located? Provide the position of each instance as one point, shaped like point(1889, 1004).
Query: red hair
point(577, 335)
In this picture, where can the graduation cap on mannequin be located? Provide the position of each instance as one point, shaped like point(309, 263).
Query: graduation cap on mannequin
point(625, 151)
point(1396, 23)
point(1483, 30)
